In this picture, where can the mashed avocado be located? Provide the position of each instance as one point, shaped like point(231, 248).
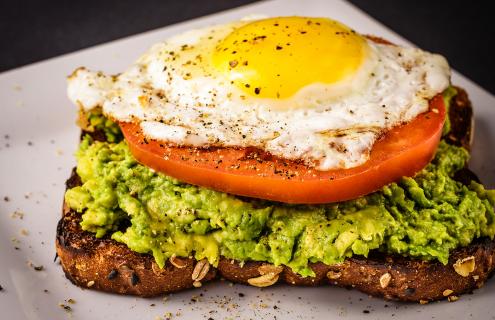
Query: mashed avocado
point(96, 121)
point(448, 94)
point(423, 217)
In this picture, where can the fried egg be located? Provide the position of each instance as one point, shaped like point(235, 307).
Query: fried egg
point(300, 88)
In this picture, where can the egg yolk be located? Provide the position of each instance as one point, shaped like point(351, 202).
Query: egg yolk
point(276, 57)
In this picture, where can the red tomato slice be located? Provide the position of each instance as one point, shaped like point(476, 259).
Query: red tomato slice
point(402, 151)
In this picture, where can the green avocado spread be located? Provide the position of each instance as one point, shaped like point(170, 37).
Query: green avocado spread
point(423, 217)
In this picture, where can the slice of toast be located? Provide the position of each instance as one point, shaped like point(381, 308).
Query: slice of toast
point(104, 264)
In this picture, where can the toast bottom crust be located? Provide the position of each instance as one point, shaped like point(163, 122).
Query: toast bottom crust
point(106, 265)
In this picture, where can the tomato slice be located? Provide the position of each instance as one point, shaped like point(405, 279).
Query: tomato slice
point(402, 151)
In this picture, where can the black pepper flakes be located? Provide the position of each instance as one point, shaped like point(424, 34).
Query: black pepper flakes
point(233, 63)
point(366, 311)
point(1, 288)
point(259, 38)
point(38, 268)
point(257, 90)
point(241, 295)
point(279, 47)
point(66, 307)
point(6, 199)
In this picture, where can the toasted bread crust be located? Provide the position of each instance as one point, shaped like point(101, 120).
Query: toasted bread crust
point(106, 265)
point(462, 120)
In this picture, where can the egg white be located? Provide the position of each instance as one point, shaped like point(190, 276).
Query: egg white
point(329, 127)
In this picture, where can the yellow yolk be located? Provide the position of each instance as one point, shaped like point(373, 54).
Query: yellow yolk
point(276, 57)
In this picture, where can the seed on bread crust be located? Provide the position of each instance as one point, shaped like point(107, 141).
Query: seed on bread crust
point(447, 292)
point(176, 262)
point(156, 268)
point(332, 275)
point(200, 270)
point(465, 266)
point(265, 280)
point(269, 275)
point(385, 280)
point(453, 298)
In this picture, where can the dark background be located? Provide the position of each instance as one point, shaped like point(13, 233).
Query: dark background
point(30, 31)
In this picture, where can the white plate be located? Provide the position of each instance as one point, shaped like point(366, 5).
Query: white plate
point(36, 158)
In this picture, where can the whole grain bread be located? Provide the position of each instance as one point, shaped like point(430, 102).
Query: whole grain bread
point(106, 265)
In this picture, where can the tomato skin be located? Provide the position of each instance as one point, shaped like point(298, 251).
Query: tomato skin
point(402, 151)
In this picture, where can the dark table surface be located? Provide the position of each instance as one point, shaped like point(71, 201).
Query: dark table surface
point(30, 31)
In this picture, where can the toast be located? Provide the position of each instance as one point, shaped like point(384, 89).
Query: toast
point(106, 265)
